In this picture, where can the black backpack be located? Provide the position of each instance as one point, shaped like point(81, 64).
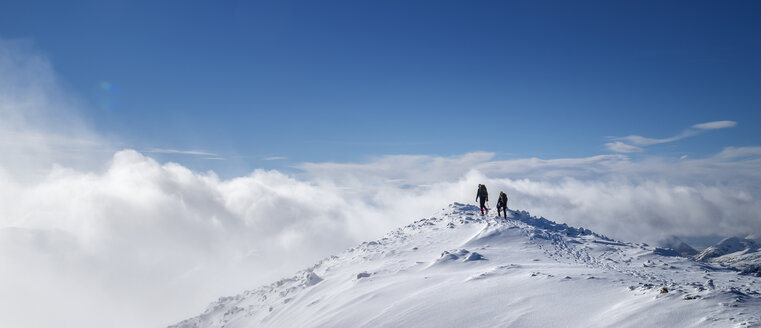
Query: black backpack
point(482, 191)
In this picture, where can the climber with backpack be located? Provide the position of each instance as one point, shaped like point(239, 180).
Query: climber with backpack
point(502, 204)
point(484, 196)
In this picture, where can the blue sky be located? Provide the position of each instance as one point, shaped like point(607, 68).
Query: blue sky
point(347, 80)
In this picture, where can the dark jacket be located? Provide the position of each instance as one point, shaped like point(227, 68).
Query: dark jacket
point(502, 201)
point(482, 193)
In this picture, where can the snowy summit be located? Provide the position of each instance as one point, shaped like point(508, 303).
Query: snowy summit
point(459, 269)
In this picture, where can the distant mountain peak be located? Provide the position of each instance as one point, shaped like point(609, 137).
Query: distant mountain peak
point(736, 252)
point(728, 246)
point(677, 245)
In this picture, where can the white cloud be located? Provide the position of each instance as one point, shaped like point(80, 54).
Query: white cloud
point(141, 235)
point(148, 236)
point(644, 141)
point(715, 125)
point(275, 158)
point(735, 152)
point(621, 147)
point(385, 168)
point(630, 200)
point(39, 125)
point(183, 152)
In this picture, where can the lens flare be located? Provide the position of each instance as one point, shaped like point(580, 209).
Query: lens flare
point(106, 86)
point(107, 96)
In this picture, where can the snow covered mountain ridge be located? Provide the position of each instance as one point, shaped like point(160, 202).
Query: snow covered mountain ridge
point(736, 253)
point(459, 269)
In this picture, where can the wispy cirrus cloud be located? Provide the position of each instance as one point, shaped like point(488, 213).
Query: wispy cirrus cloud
point(634, 143)
point(184, 152)
point(714, 125)
point(275, 158)
point(621, 147)
point(39, 122)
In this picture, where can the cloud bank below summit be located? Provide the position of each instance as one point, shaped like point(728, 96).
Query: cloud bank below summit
point(142, 234)
point(638, 201)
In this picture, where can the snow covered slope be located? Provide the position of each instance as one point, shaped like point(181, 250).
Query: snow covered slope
point(735, 252)
point(728, 246)
point(458, 269)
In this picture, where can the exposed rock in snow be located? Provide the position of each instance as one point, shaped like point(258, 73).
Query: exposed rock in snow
point(362, 275)
point(310, 279)
point(461, 255)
